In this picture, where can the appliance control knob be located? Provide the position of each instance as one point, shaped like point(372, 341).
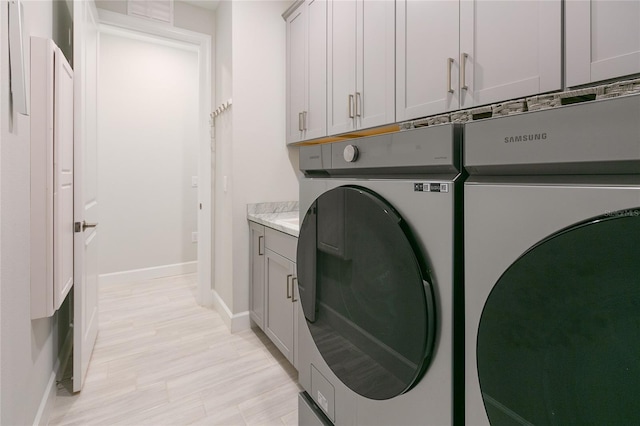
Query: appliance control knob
point(350, 153)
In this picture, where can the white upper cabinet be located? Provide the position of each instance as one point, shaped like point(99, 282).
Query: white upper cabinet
point(296, 78)
point(306, 71)
point(509, 49)
point(315, 116)
point(427, 45)
point(459, 54)
point(341, 66)
point(602, 40)
point(376, 71)
point(361, 64)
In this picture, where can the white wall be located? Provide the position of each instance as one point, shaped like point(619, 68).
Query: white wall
point(252, 153)
point(147, 142)
point(28, 348)
point(223, 201)
point(185, 16)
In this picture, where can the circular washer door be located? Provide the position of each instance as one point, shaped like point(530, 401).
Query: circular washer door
point(559, 337)
point(364, 292)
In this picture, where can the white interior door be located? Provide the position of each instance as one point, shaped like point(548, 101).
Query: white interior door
point(85, 315)
point(63, 180)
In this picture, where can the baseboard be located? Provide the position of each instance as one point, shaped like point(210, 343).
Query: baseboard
point(234, 322)
point(148, 273)
point(47, 403)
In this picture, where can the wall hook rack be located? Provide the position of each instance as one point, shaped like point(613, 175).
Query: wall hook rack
point(222, 108)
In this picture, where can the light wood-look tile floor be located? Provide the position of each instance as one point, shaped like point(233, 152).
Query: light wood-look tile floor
point(160, 359)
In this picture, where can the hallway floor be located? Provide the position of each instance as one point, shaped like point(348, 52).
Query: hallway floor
point(160, 359)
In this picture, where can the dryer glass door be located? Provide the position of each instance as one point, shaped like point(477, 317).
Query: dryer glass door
point(364, 291)
point(559, 337)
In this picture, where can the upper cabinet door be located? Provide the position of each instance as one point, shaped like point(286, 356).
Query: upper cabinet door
point(427, 68)
point(315, 115)
point(375, 67)
point(296, 73)
point(509, 49)
point(602, 40)
point(307, 71)
point(361, 64)
point(341, 65)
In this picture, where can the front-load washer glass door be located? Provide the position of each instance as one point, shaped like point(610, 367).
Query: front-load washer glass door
point(559, 337)
point(365, 293)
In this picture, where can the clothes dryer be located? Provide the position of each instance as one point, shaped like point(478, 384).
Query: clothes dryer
point(552, 266)
point(378, 269)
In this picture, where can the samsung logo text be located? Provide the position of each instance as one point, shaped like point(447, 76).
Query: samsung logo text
point(526, 138)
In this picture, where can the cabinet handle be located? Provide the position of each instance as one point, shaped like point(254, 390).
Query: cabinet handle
point(351, 106)
point(358, 104)
point(300, 121)
point(288, 291)
point(304, 120)
point(463, 71)
point(293, 290)
point(260, 246)
point(449, 63)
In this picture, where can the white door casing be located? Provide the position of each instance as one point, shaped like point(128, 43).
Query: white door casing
point(85, 295)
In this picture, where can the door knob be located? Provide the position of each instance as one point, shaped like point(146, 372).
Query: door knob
point(82, 226)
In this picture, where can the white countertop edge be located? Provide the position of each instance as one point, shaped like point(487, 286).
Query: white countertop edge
point(275, 221)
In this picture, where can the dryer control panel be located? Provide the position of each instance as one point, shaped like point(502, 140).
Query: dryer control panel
point(427, 150)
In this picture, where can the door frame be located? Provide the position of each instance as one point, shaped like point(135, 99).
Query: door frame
point(202, 43)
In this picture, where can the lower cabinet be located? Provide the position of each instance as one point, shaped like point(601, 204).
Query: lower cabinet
point(256, 274)
point(281, 302)
point(273, 287)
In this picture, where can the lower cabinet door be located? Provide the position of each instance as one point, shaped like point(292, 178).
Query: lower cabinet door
point(279, 320)
point(256, 277)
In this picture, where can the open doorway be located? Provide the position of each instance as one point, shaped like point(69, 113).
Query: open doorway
point(187, 56)
point(148, 156)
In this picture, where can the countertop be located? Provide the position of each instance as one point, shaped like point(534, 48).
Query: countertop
point(282, 216)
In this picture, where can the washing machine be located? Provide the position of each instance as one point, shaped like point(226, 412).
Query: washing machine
point(378, 272)
point(552, 266)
